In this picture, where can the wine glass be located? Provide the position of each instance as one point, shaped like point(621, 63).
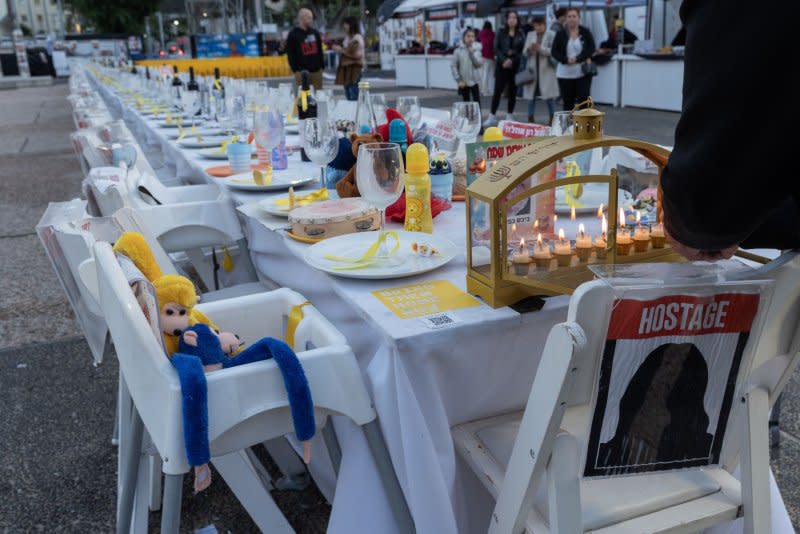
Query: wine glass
point(379, 108)
point(379, 176)
point(408, 107)
point(320, 143)
point(466, 117)
point(562, 123)
point(268, 131)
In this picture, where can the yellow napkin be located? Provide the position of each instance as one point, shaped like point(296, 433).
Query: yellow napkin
point(369, 256)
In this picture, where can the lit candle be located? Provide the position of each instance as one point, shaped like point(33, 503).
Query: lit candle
point(572, 213)
point(641, 237)
point(600, 243)
point(658, 235)
point(541, 254)
point(600, 211)
point(520, 259)
point(583, 244)
point(624, 240)
point(563, 250)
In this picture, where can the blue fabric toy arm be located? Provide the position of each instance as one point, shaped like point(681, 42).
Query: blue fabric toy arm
point(294, 379)
point(194, 391)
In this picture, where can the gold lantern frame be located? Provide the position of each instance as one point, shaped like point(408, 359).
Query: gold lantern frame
point(500, 286)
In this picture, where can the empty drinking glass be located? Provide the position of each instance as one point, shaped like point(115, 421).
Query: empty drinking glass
point(321, 144)
point(379, 108)
point(466, 117)
point(408, 107)
point(379, 176)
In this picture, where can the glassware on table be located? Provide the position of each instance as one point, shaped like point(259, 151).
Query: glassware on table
point(379, 176)
point(268, 132)
point(562, 123)
point(466, 118)
point(321, 144)
point(379, 108)
point(408, 107)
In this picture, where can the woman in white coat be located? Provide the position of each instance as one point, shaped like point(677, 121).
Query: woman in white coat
point(537, 49)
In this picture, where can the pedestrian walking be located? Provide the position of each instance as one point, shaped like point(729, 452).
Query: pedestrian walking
point(538, 44)
point(573, 48)
point(352, 60)
point(508, 53)
point(304, 49)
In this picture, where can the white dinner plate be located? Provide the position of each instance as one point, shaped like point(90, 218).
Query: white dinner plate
point(204, 131)
point(270, 206)
point(216, 153)
point(281, 181)
point(355, 245)
point(211, 141)
point(174, 124)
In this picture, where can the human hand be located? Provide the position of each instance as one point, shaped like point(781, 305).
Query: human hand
point(536, 47)
point(461, 85)
point(694, 254)
point(507, 64)
point(571, 60)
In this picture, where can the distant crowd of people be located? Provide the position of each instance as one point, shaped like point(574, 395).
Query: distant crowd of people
point(545, 63)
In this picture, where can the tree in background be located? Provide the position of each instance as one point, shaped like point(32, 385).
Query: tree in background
point(115, 17)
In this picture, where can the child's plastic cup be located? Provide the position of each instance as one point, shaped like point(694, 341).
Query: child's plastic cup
point(442, 186)
point(239, 157)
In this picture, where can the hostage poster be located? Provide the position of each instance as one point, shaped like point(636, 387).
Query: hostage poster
point(667, 381)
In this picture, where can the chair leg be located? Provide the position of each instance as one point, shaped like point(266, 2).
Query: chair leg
point(397, 501)
point(131, 454)
point(332, 444)
point(755, 463)
point(563, 486)
point(250, 489)
point(295, 475)
point(775, 423)
point(154, 482)
point(171, 508)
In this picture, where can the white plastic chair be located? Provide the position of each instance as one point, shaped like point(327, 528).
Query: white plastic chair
point(531, 462)
point(247, 404)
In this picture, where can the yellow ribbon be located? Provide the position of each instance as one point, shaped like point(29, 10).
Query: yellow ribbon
point(168, 119)
point(303, 200)
point(262, 178)
point(574, 191)
point(227, 260)
point(295, 316)
point(369, 256)
point(217, 84)
point(304, 100)
point(181, 133)
point(224, 147)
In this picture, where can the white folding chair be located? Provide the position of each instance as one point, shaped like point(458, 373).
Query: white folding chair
point(537, 463)
point(255, 406)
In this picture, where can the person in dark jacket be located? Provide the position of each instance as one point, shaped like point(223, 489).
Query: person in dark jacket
point(572, 47)
point(304, 49)
point(729, 181)
point(508, 47)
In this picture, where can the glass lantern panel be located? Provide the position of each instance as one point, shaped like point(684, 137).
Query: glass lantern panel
point(480, 236)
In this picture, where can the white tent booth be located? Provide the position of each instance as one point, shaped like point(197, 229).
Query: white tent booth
point(443, 21)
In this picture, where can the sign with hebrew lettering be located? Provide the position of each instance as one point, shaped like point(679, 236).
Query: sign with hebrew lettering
point(666, 383)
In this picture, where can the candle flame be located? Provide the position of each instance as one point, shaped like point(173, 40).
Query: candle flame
point(604, 226)
point(581, 230)
point(561, 235)
point(521, 243)
point(638, 217)
point(600, 211)
point(536, 224)
point(555, 219)
point(539, 240)
point(621, 217)
point(572, 213)
point(514, 228)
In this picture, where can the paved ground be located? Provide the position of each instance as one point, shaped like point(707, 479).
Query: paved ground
point(56, 412)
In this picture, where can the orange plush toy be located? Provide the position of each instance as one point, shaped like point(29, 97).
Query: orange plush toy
point(347, 187)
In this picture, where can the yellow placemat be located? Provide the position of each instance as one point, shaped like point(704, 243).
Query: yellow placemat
point(418, 300)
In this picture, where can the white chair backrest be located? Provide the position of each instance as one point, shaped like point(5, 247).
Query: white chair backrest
point(660, 371)
point(130, 221)
point(146, 369)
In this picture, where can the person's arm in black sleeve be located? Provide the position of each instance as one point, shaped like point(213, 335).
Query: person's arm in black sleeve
point(499, 54)
point(727, 173)
point(588, 46)
point(291, 51)
point(559, 50)
point(319, 50)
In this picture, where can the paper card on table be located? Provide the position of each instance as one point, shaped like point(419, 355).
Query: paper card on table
point(426, 298)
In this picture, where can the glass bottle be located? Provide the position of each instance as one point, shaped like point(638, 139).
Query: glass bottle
point(365, 122)
point(306, 109)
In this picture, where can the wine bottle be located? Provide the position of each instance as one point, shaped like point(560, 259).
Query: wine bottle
point(218, 92)
point(306, 109)
point(177, 84)
point(192, 85)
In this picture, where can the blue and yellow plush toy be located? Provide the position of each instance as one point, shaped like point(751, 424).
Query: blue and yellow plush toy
point(195, 346)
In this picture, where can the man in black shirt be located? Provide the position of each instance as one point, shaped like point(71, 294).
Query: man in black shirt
point(731, 179)
point(304, 49)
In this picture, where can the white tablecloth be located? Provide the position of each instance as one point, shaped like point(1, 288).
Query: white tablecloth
point(422, 381)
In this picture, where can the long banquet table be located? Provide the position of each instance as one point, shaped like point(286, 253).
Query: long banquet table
point(423, 380)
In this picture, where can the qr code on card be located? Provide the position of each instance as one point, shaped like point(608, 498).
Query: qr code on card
point(439, 320)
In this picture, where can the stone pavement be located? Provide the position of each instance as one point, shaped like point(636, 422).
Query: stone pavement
point(56, 408)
